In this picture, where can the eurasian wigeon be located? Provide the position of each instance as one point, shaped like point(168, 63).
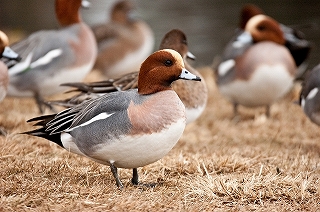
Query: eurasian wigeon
point(310, 95)
point(295, 40)
point(52, 57)
point(260, 69)
point(123, 43)
point(125, 129)
point(5, 52)
point(193, 94)
point(8, 54)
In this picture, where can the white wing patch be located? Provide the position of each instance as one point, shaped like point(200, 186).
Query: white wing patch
point(20, 67)
point(312, 93)
point(96, 118)
point(47, 58)
point(225, 67)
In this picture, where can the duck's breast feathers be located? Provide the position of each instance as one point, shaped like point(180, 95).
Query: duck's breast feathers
point(158, 112)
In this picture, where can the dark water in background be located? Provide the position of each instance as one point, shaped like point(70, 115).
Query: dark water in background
point(208, 24)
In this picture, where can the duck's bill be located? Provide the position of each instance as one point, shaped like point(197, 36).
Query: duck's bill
point(187, 75)
point(85, 4)
point(10, 54)
point(191, 56)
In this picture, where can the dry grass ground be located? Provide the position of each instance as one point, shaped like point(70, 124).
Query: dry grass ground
point(219, 164)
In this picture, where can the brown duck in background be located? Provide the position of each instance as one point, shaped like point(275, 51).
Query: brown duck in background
point(260, 69)
point(52, 57)
point(123, 43)
point(295, 40)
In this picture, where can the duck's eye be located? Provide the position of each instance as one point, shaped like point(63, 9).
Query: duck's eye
point(262, 28)
point(168, 63)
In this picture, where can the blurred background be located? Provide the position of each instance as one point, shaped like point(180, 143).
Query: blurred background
point(208, 24)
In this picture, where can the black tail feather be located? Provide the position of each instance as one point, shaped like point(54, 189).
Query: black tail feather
point(41, 132)
point(44, 118)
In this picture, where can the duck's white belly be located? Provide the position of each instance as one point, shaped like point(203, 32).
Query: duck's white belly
point(193, 113)
point(268, 84)
point(138, 151)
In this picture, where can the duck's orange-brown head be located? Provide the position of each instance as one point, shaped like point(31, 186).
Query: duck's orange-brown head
point(247, 12)
point(177, 40)
point(67, 12)
point(160, 69)
point(4, 41)
point(265, 28)
point(122, 11)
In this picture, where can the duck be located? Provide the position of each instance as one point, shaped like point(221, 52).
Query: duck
point(8, 54)
point(259, 69)
point(310, 96)
point(194, 95)
point(123, 43)
point(295, 40)
point(52, 57)
point(125, 129)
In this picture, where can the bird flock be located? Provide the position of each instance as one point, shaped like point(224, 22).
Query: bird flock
point(137, 113)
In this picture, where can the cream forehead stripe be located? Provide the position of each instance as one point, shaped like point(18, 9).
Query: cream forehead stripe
point(254, 21)
point(4, 38)
point(176, 55)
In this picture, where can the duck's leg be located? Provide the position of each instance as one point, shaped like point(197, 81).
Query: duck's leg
point(235, 109)
point(114, 171)
point(236, 116)
point(40, 102)
point(135, 177)
point(268, 111)
point(135, 180)
point(3, 131)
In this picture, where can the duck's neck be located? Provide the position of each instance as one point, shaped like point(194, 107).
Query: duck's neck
point(67, 12)
point(146, 86)
point(152, 89)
